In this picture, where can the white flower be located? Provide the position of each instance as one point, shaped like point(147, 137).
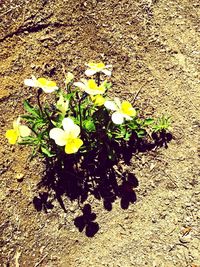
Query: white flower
point(67, 137)
point(98, 67)
point(91, 87)
point(46, 85)
point(122, 111)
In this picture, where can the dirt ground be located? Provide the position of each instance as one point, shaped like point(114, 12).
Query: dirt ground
point(153, 44)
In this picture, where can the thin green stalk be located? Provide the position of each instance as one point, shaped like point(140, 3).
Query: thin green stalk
point(38, 100)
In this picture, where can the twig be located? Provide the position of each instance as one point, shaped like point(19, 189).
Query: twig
point(177, 244)
point(136, 95)
point(38, 263)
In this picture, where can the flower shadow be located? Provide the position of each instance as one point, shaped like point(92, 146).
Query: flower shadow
point(96, 173)
point(86, 221)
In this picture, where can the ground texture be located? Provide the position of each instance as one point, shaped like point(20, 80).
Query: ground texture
point(153, 45)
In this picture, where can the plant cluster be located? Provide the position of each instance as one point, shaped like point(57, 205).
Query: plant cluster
point(82, 118)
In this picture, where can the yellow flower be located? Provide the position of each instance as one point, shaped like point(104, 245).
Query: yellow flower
point(69, 77)
point(14, 135)
point(98, 100)
point(98, 67)
point(123, 111)
point(67, 137)
point(62, 104)
point(91, 87)
point(46, 85)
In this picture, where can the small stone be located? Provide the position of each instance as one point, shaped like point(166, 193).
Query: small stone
point(19, 177)
point(73, 207)
point(33, 66)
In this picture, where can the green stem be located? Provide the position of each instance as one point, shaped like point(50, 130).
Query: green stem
point(38, 100)
point(79, 108)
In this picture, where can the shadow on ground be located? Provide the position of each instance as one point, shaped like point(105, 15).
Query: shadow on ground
point(97, 174)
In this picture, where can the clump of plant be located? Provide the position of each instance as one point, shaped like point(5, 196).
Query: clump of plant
point(80, 118)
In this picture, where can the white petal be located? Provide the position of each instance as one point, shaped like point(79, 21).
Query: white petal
point(75, 131)
point(110, 105)
point(49, 89)
point(117, 118)
point(31, 82)
point(90, 72)
point(58, 135)
point(108, 66)
point(107, 72)
point(67, 124)
point(118, 102)
point(70, 127)
point(16, 123)
point(24, 131)
point(129, 118)
point(80, 85)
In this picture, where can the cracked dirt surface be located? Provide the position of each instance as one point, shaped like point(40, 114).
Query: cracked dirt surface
point(151, 43)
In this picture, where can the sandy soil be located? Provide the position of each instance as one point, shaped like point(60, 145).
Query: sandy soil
point(151, 43)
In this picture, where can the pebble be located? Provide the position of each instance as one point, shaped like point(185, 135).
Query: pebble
point(73, 207)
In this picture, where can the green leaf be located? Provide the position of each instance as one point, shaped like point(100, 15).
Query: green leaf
point(89, 125)
point(148, 121)
point(108, 85)
point(141, 133)
point(47, 152)
point(31, 109)
point(127, 136)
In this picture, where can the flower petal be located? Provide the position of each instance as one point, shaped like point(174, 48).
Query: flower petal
point(127, 109)
point(110, 105)
point(98, 100)
point(90, 72)
point(49, 89)
point(12, 136)
point(31, 82)
point(67, 124)
point(69, 77)
point(16, 124)
point(117, 118)
point(73, 145)
point(59, 136)
point(108, 66)
point(107, 72)
point(118, 102)
point(24, 131)
point(80, 85)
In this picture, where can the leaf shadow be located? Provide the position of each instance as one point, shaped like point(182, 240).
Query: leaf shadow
point(95, 173)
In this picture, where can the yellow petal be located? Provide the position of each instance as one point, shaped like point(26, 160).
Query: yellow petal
point(98, 100)
point(47, 85)
point(100, 65)
point(12, 136)
point(92, 84)
point(127, 109)
point(73, 145)
point(96, 66)
point(93, 89)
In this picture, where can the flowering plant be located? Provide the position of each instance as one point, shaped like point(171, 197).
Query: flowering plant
point(81, 119)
